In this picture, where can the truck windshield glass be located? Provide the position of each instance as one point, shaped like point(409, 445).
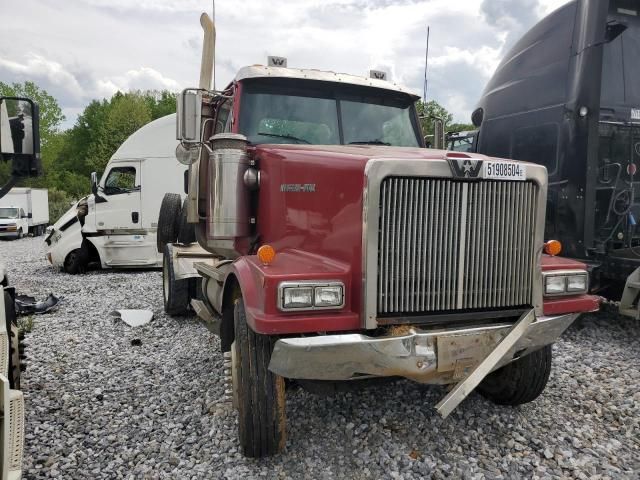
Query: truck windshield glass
point(326, 116)
point(9, 213)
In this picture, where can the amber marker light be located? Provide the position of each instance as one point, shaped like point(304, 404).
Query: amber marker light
point(266, 254)
point(552, 247)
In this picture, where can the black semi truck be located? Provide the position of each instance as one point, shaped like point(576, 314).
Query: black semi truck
point(567, 96)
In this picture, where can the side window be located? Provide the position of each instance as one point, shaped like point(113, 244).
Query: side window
point(537, 144)
point(120, 180)
point(223, 119)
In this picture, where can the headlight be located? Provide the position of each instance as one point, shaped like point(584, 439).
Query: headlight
point(565, 282)
point(310, 295)
point(297, 297)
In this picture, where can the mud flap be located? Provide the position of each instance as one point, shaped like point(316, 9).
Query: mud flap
point(466, 386)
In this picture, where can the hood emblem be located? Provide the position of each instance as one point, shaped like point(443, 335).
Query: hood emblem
point(465, 167)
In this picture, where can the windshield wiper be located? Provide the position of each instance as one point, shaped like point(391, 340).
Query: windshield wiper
point(290, 137)
point(371, 142)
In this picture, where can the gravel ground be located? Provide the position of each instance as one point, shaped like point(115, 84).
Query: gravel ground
point(98, 407)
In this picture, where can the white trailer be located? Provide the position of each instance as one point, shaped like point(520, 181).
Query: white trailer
point(117, 224)
point(24, 211)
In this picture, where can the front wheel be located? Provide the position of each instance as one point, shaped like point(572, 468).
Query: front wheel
point(259, 394)
point(76, 261)
point(520, 381)
point(20, 234)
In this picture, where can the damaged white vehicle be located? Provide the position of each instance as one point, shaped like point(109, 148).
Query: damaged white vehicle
point(116, 225)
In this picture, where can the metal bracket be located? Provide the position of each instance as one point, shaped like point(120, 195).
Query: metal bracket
point(466, 386)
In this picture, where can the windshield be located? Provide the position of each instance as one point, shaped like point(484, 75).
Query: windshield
point(326, 116)
point(9, 213)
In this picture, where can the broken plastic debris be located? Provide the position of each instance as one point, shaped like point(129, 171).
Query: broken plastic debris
point(134, 318)
point(27, 305)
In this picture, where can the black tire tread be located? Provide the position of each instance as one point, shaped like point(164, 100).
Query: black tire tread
point(76, 261)
point(186, 231)
point(178, 302)
point(261, 393)
point(519, 382)
point(168, 220)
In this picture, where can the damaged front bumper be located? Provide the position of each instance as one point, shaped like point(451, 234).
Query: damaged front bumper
point(428, 356)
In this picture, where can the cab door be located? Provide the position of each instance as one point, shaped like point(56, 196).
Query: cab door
point(119, 209)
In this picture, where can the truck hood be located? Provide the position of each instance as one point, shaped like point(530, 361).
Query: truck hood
point(68, 215)
point(9, 221)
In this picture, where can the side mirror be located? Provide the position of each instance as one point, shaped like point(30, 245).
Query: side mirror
point(29, 215)
point(94, 183)
point(188, 116)
point(438, 134)
point(20, 135)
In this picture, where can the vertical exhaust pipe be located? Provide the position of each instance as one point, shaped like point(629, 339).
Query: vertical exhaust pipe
point(208, 51)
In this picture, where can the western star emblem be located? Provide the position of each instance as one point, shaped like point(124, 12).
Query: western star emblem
point(465, 167)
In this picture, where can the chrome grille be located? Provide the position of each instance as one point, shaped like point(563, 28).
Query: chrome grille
point(450, 244)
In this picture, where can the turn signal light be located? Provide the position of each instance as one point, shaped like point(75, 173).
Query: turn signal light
point(266, 254)
point(552, 247)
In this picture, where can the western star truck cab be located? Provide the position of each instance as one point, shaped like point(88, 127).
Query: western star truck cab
point(343, 250)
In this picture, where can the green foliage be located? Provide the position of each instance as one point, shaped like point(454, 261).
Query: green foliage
point(460, 127)
point(59, 203)
point(69, 156)
point(429, 112)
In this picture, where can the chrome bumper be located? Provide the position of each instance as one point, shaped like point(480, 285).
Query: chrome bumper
point(427, 356)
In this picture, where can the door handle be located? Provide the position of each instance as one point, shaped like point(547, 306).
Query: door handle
point(135, 217)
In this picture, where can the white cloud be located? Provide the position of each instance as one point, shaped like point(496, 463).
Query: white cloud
point(91, 48)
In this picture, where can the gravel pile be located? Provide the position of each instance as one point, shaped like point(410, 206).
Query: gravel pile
point(100, 407)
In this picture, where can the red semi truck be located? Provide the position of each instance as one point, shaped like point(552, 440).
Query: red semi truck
point(340, 249)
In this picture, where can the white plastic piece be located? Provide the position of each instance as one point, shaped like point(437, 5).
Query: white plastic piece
point(135, 318)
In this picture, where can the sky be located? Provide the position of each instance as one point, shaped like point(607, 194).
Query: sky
point(80, 50)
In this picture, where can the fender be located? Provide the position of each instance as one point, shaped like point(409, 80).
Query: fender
point(259, 286)
point(66, 241)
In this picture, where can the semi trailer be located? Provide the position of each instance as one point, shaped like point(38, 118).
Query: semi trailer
point(566, 97)
point(20, 145)
point(342, 250)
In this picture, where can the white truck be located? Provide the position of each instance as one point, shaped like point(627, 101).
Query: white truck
point(116, 225)
point(20, 145)
point(23, 211)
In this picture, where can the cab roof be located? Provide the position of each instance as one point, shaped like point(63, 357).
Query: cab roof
point(156, 139)
point(261, 71)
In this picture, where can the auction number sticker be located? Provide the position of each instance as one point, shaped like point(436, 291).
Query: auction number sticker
point(504, 170)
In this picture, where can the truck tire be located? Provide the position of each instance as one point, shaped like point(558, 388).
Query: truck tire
point(15, 347)
point(20, 233)
point(168, 220)
point(258, 393)
point(175, 292)
point(76, 261)
point(519, 382)
point(186, 231)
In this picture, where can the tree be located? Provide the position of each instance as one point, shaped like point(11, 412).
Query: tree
point(127, 113)
point(429, 112)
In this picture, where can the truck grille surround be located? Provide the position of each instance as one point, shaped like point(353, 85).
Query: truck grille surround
point(449, 244)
